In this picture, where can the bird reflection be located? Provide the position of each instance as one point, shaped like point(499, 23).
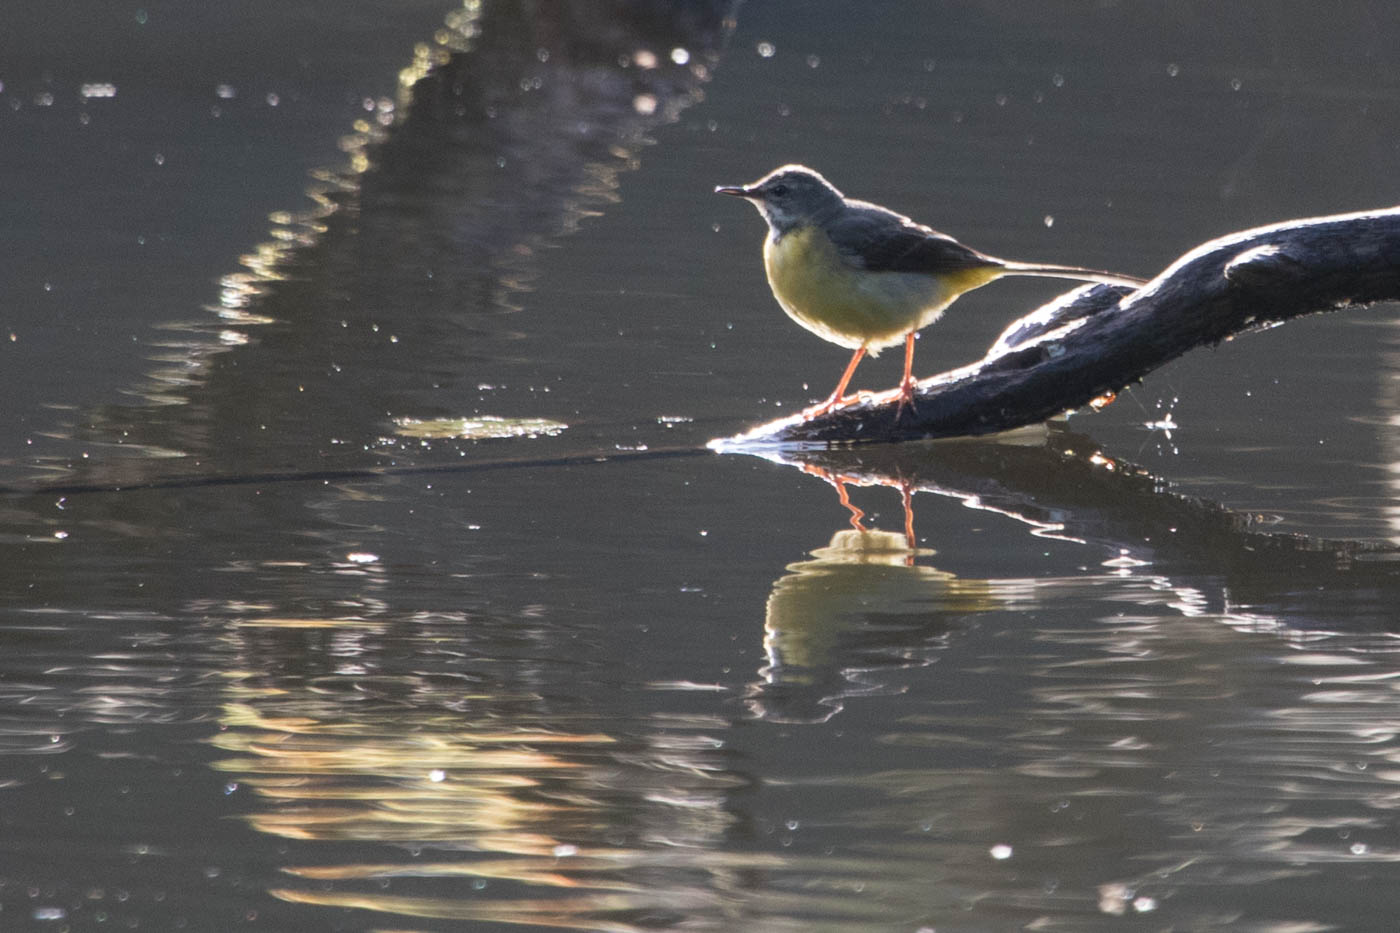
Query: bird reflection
point(860, 604)
point(840, 481)
point(870, 600)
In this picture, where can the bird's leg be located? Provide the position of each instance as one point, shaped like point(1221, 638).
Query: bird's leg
point(906, 385)
point(856, 513)
point(838, 482)
point(906, 498)
point(835, 397)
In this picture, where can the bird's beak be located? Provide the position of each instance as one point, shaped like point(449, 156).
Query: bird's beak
point(740, 191)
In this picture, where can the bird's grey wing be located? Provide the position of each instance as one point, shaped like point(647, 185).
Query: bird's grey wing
point(878, 240)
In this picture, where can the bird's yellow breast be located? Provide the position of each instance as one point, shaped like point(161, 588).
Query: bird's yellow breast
point(854, 307)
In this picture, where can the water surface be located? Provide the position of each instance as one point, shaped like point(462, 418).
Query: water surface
point(368, 573)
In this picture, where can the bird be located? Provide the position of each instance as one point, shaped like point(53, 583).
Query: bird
point(864, 277)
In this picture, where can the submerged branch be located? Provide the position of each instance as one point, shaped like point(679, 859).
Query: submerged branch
point(1095, 340)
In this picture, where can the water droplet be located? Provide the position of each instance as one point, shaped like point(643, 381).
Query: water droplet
point(680, 56)
point(1049, 220)
point(1001, 852)
point(767, 49)
point(1173, 70)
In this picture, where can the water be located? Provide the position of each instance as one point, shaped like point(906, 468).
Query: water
point(378, 579)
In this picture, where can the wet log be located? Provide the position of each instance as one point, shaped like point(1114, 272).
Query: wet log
point(1093, 341)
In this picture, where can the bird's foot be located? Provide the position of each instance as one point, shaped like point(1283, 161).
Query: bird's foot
point(833, 403)
point(816, 411)
point(1103, 401)
point(906, 397)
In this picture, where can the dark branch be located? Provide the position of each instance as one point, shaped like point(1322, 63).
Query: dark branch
point(1097, 339)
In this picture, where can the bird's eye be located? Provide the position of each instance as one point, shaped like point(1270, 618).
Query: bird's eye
point(778, 191)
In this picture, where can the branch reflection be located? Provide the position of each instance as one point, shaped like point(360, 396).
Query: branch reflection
point(398, 294)
point(870, 599)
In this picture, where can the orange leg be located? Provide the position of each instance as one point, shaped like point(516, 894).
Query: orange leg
point(856, 513)
point(838, 482)
point(906, 385)
point(835, 398)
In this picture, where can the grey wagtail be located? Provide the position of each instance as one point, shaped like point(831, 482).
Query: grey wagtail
point(864, 277)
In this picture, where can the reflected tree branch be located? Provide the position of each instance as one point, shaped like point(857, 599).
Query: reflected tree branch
point(516, 123)
point(1063, 486)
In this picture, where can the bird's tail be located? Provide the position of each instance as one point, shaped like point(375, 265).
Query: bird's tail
point(1070, 272)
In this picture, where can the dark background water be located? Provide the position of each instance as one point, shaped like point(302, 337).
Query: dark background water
point(291, 640)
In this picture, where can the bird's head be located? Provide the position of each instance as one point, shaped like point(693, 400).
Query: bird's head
point(789, 196)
